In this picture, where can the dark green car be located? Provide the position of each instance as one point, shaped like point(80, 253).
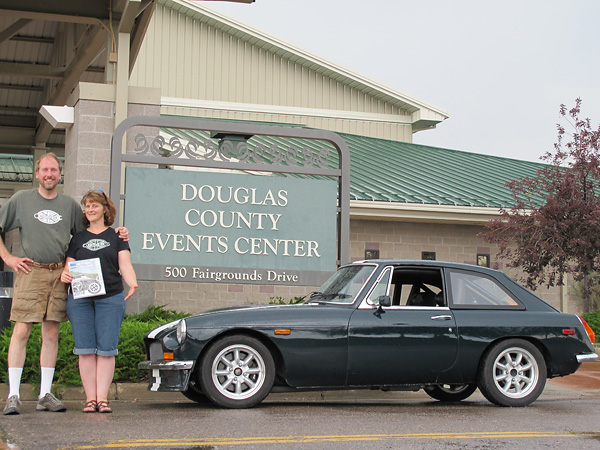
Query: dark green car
point(443, 327)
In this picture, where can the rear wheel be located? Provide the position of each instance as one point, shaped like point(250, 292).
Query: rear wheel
point(451, 392)
point(237, 372)
point(512, 373)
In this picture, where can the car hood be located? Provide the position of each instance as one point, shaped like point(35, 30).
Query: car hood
point(301, 314)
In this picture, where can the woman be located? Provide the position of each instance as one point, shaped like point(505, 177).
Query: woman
point(96, 321)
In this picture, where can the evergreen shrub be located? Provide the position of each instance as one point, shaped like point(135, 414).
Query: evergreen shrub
point(131, 349)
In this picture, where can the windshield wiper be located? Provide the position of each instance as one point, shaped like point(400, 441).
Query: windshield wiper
point(326, 298)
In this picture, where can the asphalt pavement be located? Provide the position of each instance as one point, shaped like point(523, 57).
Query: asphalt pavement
point(585, 383)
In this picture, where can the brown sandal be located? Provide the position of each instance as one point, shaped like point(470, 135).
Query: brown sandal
point(104, 408)
point(90, 406)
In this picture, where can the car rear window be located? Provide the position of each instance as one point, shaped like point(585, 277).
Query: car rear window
point(474, 290)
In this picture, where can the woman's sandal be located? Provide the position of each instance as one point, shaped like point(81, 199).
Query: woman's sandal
point(104, 408)
point(90, 406)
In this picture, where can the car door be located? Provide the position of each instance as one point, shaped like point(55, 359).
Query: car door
point(411, 341)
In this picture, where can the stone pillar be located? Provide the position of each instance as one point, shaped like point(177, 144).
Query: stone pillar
point(87, 143)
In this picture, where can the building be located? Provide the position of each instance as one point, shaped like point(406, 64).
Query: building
point(177, 58)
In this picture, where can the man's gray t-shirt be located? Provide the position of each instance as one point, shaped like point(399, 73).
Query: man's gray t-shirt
point(45, 225)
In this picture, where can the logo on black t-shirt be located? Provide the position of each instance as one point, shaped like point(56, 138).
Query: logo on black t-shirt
point(96, 244)
point(48, 216)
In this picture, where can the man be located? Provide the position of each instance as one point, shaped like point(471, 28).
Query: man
point(46, 220)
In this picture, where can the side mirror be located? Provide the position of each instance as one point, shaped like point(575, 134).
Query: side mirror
point(385, 300)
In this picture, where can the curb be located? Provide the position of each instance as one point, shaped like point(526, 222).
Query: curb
point(139, 391)
point(118, 391)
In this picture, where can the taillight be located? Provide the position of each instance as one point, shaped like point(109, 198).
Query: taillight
point(588, 330)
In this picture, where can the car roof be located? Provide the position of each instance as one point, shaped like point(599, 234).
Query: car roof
point(428, 263)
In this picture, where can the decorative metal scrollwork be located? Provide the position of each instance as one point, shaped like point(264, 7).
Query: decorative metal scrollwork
point(231, 150)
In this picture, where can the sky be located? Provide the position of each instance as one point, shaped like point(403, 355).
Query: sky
point(500, 69)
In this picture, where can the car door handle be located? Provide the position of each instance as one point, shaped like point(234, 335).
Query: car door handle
point(441, 318)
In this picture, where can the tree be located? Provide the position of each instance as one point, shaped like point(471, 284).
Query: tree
point(553, 227)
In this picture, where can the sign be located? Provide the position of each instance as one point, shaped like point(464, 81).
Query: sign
point(212, 227)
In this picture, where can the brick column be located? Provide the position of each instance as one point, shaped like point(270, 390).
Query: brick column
point(87, 147)
point(87, 143)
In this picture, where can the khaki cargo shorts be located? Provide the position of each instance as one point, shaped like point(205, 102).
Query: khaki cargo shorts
point(38, 296)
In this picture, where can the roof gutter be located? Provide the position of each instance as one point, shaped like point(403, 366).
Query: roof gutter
point(417, 212)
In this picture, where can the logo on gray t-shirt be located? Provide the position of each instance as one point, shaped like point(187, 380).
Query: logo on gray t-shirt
point(48, 216)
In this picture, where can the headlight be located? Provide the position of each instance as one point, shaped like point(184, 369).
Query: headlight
point(181, 331)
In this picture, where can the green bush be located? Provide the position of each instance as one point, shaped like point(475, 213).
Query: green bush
point(154, 313)
point(131, 349)
point(593, 320)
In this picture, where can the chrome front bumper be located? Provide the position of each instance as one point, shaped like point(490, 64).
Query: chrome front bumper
point(587, 357)
point(168, 376)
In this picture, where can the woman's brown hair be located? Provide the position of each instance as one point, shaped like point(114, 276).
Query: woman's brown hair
point(100, 197)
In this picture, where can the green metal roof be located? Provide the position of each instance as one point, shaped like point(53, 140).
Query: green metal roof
point(16, 168)
point(383, 170)
point(391, 171)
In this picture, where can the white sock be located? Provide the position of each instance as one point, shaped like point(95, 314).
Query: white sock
point(14, 381)
point(46, 381)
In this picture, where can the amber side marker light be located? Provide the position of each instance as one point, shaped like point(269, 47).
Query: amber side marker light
point(167, 355)
point(588, 329)
point(283, 332)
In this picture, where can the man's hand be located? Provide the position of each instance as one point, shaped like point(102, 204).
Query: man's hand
point(123, 233)
point(17, 264)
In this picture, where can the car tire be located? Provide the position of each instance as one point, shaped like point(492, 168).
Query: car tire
point(512, 373)
point(237, 372)
point(451, 393)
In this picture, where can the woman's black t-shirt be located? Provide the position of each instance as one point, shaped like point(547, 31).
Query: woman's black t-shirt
point(106, 246)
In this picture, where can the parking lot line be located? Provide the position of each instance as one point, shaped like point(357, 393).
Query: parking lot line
point(162, 443)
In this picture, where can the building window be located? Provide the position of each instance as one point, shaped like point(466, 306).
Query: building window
point(371, 254)
point(428, 256)
point(483, 260)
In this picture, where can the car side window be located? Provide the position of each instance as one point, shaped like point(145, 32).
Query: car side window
point(417, 287)
point(479, 290)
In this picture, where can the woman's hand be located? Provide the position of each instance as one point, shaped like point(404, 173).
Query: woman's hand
point(132, 290)
point(65, 276)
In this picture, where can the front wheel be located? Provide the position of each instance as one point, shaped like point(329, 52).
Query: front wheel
point(451, 392)
point(512, 373)
point(237, 372)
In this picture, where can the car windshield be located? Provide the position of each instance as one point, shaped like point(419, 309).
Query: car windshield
point(343, 286)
